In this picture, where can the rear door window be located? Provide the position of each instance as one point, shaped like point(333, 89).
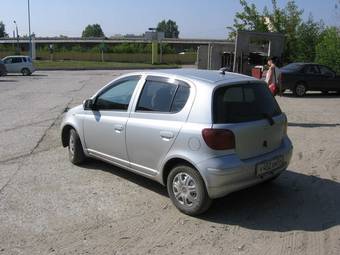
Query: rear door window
point(159, 95)
point(324, 70)
point(243, 103)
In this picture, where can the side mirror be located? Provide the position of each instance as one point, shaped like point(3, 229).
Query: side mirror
point(88, 104)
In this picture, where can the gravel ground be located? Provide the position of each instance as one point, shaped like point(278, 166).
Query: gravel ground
point(49, 206)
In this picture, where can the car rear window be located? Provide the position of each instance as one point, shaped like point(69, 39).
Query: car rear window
point(243, 103)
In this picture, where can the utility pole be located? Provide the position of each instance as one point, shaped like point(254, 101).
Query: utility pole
point(16, 28)
point(29, 28)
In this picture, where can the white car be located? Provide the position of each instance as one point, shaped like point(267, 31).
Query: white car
point(19, 64)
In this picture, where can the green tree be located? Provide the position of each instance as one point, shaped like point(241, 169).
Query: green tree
point(249, 19)
point(291, 19)
point(94, 30)
point(308, 36)
point(2, 30)
point(169, 28)
point(328, 49)
point(283, 20)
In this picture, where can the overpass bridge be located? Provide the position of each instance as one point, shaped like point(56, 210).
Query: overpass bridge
point(77, 40)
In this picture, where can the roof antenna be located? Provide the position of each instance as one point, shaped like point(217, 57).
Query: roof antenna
point(224, 69)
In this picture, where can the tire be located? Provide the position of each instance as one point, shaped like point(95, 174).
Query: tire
point(300, 90)
point(75, 149)
point(25, 72)
point(187, 190)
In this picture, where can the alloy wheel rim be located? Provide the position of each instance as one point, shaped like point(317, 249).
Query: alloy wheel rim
point(72, 144)
point(184, 189)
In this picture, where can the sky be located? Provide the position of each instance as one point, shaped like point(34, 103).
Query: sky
point(195, 18)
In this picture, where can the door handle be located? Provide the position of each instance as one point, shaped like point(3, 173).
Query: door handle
point(166, 135)
point(118, 128)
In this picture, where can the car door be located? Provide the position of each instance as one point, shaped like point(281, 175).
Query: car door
point(154, 125)
point(105, 127)
point(312, 76)
point(17, 64)
point(328, 79)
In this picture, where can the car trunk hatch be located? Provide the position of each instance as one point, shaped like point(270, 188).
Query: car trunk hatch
point(253, 115)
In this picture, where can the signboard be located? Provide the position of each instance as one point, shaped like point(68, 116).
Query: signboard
point(154, 36)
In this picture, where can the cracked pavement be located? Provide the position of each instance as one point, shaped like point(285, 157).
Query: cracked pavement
point(49, 206)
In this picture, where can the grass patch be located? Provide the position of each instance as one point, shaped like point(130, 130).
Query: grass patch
point(84, 65)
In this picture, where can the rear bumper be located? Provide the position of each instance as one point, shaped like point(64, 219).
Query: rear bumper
point(227, 174)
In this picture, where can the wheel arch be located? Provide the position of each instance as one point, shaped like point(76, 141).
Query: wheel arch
point(65, 134)
point(175, 161)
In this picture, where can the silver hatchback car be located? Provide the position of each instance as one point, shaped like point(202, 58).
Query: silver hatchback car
point(19, 64)
point(203, 134)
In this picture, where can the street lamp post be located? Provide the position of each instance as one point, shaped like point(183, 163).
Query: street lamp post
point(154, 42)
point(29, 28)
point(16, 29)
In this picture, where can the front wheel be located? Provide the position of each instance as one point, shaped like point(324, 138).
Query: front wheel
point(187, 190)
point(75, 149)
point(300, 90)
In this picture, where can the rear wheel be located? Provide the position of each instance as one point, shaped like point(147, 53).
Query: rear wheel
point(187, 190)
point(25, 72)
point(75, 149)
point(300, 90)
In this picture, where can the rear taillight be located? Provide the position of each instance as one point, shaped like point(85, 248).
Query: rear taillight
point(219, 139)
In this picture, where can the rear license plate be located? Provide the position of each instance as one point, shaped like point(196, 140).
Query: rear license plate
point(268, 166)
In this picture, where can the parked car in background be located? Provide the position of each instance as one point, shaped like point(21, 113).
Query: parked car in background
point(19, 64)
point(303, 77)
point(203, 134)
point(3, 70)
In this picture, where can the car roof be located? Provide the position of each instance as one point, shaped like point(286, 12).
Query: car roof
point(301, 63)
point(16, 56)
point(207, 76)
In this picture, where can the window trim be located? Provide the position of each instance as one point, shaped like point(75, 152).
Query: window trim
point(113, 84)
point(167, 80)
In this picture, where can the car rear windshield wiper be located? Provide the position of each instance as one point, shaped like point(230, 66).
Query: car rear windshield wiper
point(269, 118)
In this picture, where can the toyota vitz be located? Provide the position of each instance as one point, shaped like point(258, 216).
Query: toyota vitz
point(203, 134)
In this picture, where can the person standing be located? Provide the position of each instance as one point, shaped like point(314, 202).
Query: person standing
point(273, 75)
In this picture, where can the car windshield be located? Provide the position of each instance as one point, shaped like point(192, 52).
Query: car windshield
point(243, 103)
point(292, 66)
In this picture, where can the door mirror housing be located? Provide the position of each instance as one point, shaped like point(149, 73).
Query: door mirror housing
point(88, 104)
